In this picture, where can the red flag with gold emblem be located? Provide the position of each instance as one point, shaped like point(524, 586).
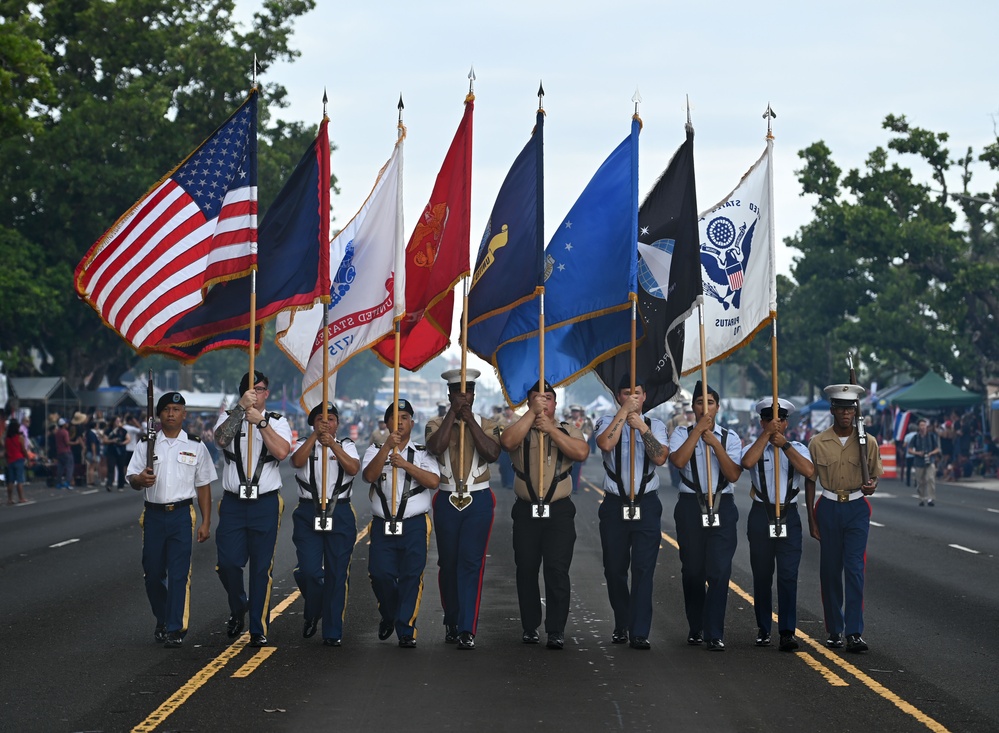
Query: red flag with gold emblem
point(436, 257)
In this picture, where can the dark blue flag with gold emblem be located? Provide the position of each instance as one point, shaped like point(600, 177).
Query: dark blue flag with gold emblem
point(508, 267)
point(669, 280)
point(590, 282)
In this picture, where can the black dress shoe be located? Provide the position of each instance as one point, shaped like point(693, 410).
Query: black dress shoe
point(159, 633)
point(384, 629)
point(450, 634)
point(856, 643)
point(835, 641)
point(555, 640)
point(530, 637)
point(309, 628)
point(234, 626)
point(466, 640)
point(788, 643)
point(619, 636)
point(762, 638)
point(694, 638)
point(174, 640)
point(331, 642)
point(715, 645)
point(640, 642)
point(407, 642)
point(258, 640)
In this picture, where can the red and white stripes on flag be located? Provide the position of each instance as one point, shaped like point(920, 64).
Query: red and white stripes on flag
point(197, 227)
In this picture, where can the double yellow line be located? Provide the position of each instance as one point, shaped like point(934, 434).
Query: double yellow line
point(173, 703)
point(827, 672)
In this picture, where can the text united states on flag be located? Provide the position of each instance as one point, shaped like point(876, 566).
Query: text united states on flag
point(197, 227)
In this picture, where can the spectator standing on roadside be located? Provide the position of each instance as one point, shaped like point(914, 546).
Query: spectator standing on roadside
point(16, 450)
point(64, 456)
point(925, 450)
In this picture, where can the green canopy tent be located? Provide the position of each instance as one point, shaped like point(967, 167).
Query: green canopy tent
point(933, 392)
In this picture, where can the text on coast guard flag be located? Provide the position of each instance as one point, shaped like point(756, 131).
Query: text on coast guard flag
point(293, 268)
point(590, 282)
point(508, 267)
point(436, 257)
point(669, 280)
point(367, 290)
point(196, 227)
point(737, 262)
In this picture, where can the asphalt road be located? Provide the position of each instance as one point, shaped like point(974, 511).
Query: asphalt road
point(78, 653)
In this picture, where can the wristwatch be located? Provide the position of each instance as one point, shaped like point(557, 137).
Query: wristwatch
point(263, 424)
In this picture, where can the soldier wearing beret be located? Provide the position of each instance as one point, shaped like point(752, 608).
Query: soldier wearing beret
point(402, 475)
point(841, 518)
point(324, 556)
point(774, 473)
point(251, 507)
point(182, 471)
point(706, 551)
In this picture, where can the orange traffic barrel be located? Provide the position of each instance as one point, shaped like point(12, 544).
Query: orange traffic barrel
point(888, 460)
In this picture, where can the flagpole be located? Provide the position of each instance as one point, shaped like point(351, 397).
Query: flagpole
point(769, 116)
point(326, 388)
point(459, 480)
point(636, 98)
point(542, 447)
point(704, 403)
point(326, 381)
point(253, 336)
point(395, 363)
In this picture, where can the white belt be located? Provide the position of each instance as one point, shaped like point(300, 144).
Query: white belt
point(473, 487)
point(858, 494)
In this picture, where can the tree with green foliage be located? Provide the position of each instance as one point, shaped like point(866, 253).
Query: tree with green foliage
point(903, 273)
point(100, 100)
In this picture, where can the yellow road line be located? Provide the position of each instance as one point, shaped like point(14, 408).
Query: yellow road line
point(831, 677)
point(872, 684)
point(172, 703)
point(255, 661)
point(180, 696)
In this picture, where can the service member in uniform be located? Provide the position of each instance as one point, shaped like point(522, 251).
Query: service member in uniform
point(182, 471)
point(784, 551)
point(706, 552)
point(400, 525)
point(841, 518)
point(631, 542)
point(251, 506)
point(324, 555)
point(462, 523)
point(543, 514)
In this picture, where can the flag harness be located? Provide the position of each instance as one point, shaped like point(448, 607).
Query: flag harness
point(248, 490)
point(311, 487)
point(542, 504)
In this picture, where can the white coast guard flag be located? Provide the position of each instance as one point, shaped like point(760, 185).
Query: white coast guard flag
point(367, 272)
point(737, 268)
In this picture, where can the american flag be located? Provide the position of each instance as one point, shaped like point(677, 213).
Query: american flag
point(197, 227)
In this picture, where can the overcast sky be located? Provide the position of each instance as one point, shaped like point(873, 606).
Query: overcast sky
point(831, 71)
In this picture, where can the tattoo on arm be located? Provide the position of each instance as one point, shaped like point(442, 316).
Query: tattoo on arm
point(617, 425)
point(227, 430)
point(652, 446)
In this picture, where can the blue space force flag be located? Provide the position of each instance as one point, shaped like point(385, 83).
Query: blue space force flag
point(590, 281)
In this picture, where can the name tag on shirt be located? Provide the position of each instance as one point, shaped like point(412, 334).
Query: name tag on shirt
point(187, 458)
